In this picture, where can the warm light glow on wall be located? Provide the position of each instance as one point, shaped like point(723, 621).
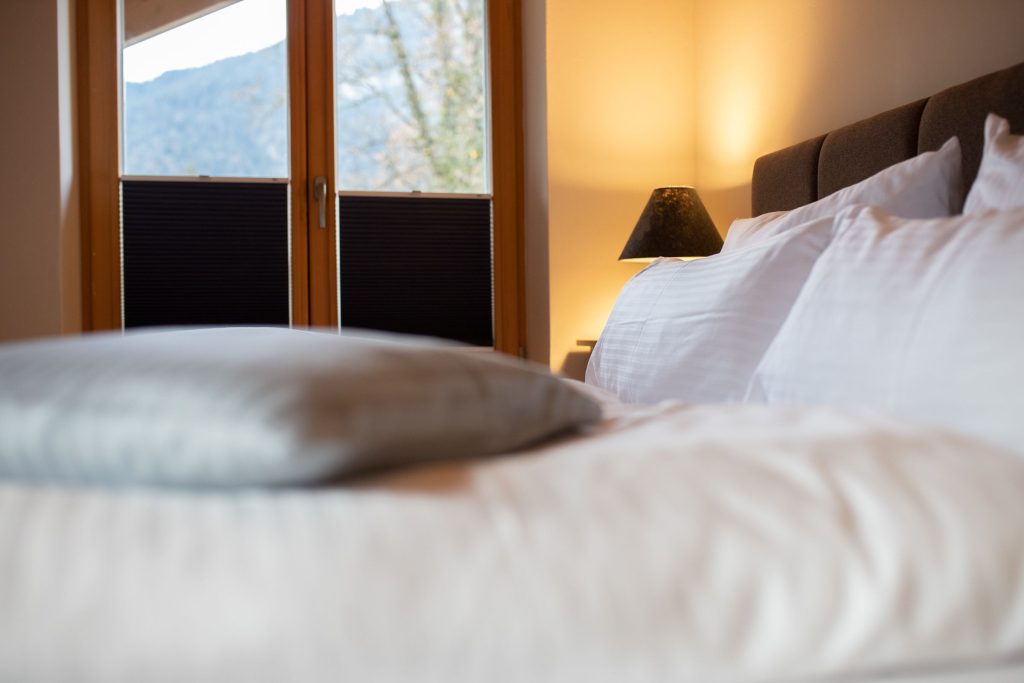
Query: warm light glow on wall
point(735, 129)
point(620, 123)
point(618, 107)
point(755, 62)
point(730, 108)
point(640, 120)
point(771, 74)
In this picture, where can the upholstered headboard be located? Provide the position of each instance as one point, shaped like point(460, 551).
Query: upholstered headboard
point(815, 168)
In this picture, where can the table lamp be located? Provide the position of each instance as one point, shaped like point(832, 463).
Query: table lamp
point(674, 223)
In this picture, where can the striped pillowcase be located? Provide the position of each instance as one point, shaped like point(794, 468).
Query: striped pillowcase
point(695, 330)
point(1000, 181)
point(925, 186)
point(922, 318)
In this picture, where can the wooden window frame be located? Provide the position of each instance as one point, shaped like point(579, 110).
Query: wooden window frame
point(310, 64)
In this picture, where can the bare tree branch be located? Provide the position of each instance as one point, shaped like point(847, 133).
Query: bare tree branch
point(426, 140)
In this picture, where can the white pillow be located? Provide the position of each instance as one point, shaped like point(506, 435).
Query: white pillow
point(926, 186)
point(921, 317)
point(243, 406)
point(695, 330)
point(1000, 181)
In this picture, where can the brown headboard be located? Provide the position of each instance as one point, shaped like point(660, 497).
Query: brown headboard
point(815, 168)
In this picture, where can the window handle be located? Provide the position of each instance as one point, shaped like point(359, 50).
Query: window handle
point(320, 195)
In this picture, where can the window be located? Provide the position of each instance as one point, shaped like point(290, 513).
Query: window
point(409, 112)
point(204, 190)
point(209, 96)
point(411, 96)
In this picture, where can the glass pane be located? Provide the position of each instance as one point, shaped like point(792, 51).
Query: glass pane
point(206, 95)
point(411, 96)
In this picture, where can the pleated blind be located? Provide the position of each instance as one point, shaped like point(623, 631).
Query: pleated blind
point(417, 265)
point(205, 253)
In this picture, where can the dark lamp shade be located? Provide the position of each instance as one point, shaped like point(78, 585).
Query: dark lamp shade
point(674, 223)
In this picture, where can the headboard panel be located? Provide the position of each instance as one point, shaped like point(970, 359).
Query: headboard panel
point(788, 178)
point(961, 111)
point(815, 168)
point(860, 150)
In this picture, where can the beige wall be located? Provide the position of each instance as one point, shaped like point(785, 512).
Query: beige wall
point(769, 74)
point(618, 99)
point(39, 261)
point(632, 95)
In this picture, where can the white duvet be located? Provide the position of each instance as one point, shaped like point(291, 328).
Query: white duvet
point(675, 543)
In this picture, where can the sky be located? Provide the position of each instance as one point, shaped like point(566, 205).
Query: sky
point(243, 27)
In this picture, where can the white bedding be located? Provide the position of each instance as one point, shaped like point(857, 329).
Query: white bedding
point(672, 543)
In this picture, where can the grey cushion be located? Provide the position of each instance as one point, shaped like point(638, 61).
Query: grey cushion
point(263, 406)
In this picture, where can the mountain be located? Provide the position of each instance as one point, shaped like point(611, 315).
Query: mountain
point(230, 118)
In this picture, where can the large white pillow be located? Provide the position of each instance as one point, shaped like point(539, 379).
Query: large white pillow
point(695, 330)
point(921, 317)
point(243, 406)
point(926, 186)
point(1000, 181)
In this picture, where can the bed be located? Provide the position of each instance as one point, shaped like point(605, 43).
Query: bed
point(828, 496)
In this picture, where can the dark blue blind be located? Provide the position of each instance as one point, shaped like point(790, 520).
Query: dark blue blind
point(417, 265)
point(204, 253)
